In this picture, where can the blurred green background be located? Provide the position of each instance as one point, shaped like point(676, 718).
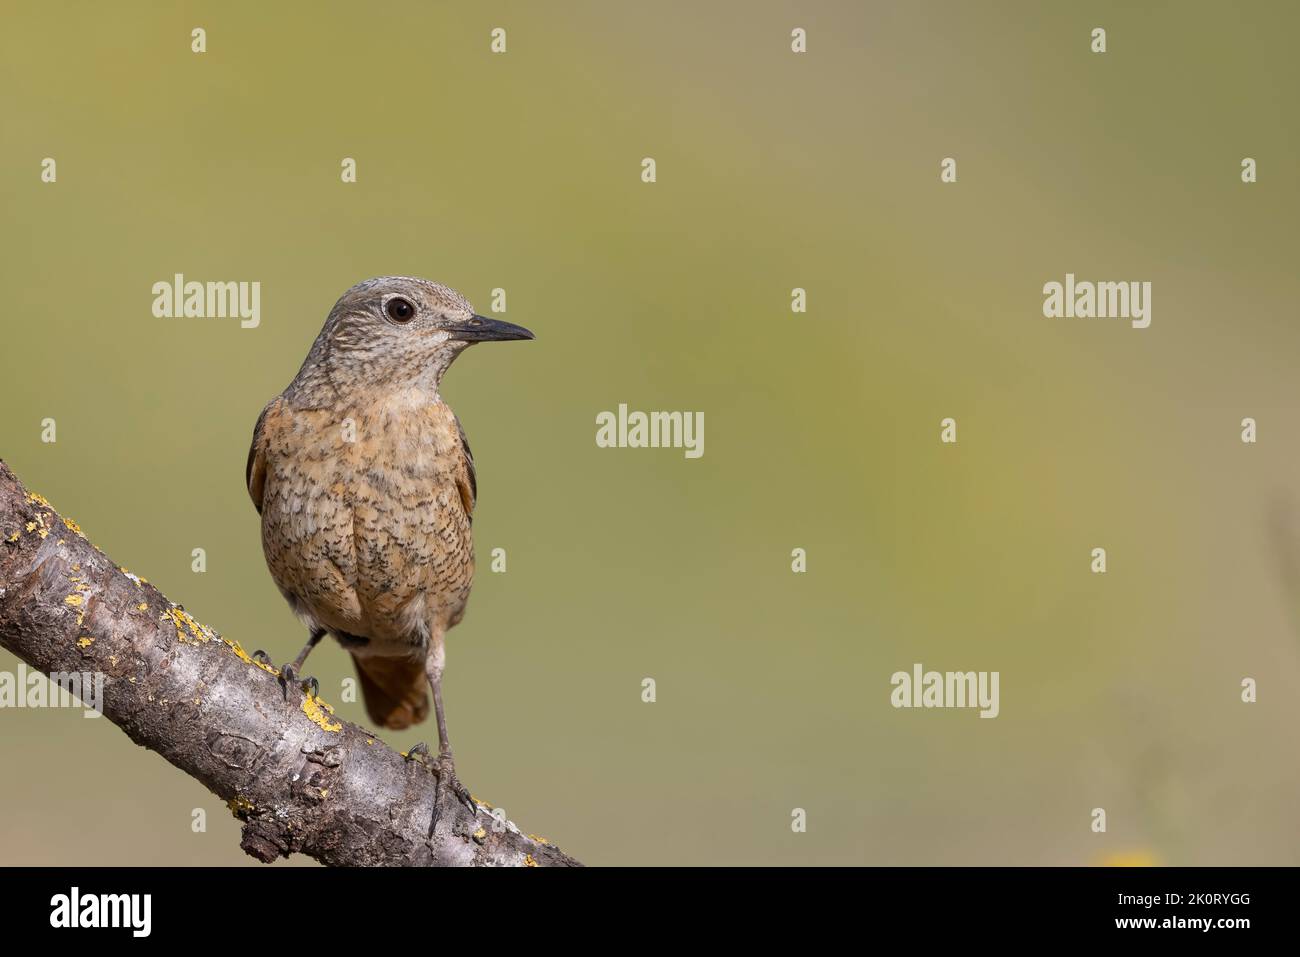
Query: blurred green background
point(775, 170)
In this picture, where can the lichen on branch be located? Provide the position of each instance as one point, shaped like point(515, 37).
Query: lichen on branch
point(301, 780)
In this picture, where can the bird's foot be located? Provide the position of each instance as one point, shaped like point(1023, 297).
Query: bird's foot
point(420, 751)
point(289, 676)
point(445, 769)
point(447, 781)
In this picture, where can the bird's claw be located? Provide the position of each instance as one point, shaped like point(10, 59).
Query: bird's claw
point(308, 686)
point(422, 750)
point(447, 781)
point(262, 658)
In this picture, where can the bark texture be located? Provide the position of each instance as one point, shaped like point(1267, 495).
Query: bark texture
point(301, 780)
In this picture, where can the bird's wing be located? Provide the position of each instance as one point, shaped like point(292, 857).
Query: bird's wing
point(466, 478)
point(255, 471)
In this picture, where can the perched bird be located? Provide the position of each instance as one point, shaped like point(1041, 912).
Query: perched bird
point(366, 487)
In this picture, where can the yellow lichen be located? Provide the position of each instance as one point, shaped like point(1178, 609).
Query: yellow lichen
point(247, 659)
point(188, 630)
point(86, 641)
point(39, 499)
point(72, 600)
point(320, 713)
point(39, 525)
point(143, 606)
point(528, 861)
point(480, 834)
point(72, 526)
point(240, 805)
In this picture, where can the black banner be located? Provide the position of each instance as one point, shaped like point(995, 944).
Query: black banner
point(980, 905)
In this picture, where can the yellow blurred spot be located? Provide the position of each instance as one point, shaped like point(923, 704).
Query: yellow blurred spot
point(1134, 858)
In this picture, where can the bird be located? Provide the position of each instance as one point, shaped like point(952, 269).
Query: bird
point(366, 487)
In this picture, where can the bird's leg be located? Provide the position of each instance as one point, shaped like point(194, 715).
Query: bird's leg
point(445, 767)
point(289, 673)
point(316, 635)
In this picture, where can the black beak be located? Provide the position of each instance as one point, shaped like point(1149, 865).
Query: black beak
point(483, 329)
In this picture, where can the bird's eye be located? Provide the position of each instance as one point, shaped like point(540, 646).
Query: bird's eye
point(400, 310)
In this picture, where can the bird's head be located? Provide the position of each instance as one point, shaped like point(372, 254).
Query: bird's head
point(401, 331)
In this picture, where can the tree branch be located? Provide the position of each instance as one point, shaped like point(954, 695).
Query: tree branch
point(301, 780)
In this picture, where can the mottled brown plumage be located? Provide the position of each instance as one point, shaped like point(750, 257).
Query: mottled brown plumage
point(366, 488)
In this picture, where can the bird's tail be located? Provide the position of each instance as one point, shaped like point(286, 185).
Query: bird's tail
point(395, 690)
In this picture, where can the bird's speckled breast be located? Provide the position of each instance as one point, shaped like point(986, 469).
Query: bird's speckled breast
point(363, 524)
